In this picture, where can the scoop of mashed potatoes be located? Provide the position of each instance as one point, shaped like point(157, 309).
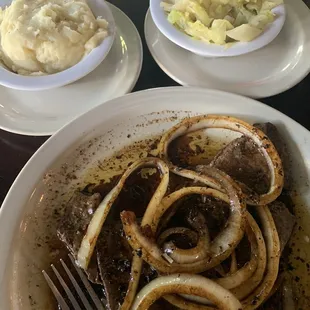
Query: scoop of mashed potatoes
point(46, 37)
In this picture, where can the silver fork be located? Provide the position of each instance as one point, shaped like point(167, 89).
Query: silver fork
point(61, 300)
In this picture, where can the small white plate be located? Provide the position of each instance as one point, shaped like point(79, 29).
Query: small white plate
point(44, 112)
point(265, 72)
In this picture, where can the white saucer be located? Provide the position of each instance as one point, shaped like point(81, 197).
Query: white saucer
point(44, 112)
point(266, 72)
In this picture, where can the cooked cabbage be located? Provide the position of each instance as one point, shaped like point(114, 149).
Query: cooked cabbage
point(221, 21)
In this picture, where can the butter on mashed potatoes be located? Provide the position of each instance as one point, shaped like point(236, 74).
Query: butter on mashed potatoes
point(48, 36)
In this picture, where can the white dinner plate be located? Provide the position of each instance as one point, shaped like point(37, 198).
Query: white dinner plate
point(44, 112)
point(265, 72)
point(73, 157)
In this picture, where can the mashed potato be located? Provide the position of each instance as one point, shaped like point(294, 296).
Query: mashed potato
point(45, 37)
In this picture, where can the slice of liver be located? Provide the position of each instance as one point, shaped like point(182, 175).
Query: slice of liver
point(243, 161)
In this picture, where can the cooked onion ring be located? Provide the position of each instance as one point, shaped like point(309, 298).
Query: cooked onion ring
point(219, 121)
point(181, 256)
point(243, 290)
point(257, 297)
point(220, 248)
point(240, 277)
point(231, 281)
point(137, 262)
point(234, 228)
point(200, 251)
point(220, 270)
point(233, 264)
point(189, 302)
point(185, 284)
point(135, 273)
point(233, 231)
point(192, 235)
point(93, 230)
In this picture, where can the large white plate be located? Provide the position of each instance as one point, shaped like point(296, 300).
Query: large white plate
point(268, 71)
point(44, 112)
point(67, 158)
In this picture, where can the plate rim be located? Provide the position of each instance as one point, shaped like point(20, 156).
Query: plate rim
point(279, 90)
point(67, 118)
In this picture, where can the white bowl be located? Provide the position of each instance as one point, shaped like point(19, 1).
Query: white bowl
point(212, 50)
point(85, 66)
point(75, 151)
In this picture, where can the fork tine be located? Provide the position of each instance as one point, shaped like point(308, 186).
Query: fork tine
point(90, 290)
point(77, 287)
point(67, 290)
point(55, 291)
